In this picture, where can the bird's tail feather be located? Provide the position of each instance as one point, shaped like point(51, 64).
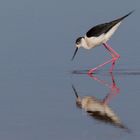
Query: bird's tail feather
point(127, 15)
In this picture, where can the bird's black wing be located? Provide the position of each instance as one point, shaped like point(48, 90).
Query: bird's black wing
point(98, 30)
point(105, 27)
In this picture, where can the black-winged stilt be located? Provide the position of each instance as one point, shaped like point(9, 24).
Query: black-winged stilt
point(98, 35)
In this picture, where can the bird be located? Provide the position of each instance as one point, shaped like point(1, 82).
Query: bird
point(99, 35)
point(98, 109)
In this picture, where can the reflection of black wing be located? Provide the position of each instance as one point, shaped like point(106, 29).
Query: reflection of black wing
point(105, 27)
point(104, 118)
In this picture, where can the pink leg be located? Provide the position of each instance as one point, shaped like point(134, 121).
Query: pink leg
point(115, 56)
point(94, 69)
point(111, 50)
point(113, 65)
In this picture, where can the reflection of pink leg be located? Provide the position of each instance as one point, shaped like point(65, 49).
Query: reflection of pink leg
point(113, 92)
point(103, 82)
point(113, 65)
point(115, 56)
point(109, 97)
point(113, 89)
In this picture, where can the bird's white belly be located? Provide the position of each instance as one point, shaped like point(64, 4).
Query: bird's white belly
point(111, 32)
point(96, 41)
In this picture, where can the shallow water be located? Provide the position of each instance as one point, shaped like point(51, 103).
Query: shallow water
point(36, 75)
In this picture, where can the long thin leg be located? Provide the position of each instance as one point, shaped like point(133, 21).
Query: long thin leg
point(108, 50)
point(115, 56)
point(101, 65)
point(111, 50)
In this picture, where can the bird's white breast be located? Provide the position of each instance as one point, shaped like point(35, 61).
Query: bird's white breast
point(94, 41)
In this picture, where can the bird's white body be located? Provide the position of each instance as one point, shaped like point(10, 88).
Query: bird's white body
point(91, 104)
point(92, 42)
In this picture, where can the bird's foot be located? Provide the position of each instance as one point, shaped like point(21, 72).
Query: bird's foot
point(90, 72)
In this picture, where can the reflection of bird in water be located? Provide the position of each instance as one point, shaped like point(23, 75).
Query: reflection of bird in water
point(98, 109)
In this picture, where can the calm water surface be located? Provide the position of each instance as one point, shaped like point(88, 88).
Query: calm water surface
point(36, 74)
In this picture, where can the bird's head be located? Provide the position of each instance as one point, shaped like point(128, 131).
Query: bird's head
point(78, 99)
point(78, 44)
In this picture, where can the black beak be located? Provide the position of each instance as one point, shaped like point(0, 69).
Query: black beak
point(76, 94)
point(75, 53)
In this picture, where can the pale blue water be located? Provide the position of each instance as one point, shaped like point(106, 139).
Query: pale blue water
point(36, 45)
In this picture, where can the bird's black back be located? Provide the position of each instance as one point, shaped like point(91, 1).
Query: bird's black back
point(105, 27)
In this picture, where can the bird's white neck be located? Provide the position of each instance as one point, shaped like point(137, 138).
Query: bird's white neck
point(84, 43)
